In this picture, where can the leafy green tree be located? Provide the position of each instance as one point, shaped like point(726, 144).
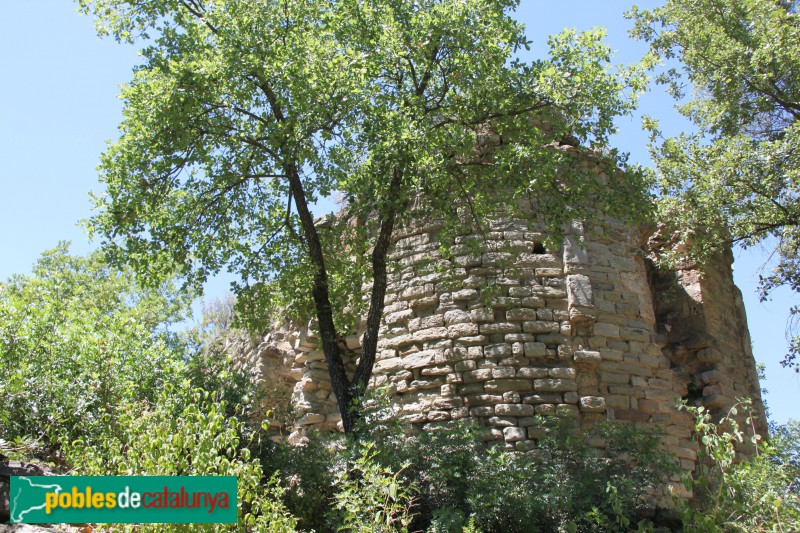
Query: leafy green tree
point(244, 113)
point(76, 339)
point(738, 179)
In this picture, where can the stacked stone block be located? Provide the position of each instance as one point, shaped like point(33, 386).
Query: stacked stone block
point(509, 330)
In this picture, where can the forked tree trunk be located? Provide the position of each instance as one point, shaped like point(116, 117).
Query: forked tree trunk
point(348, 393)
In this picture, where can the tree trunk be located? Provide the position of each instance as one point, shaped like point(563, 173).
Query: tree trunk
point(327, 329)
point(348, 393)
point(369, 343)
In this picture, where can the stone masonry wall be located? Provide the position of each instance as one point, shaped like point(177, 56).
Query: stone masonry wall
point(590, 331)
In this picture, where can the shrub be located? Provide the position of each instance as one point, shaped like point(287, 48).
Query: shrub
point(596, 491)
point(370, 497)
point(186, 433)
point(77, 339)
point(308, 471)
point(563, 484)
point(212, 347)
point(732, 493)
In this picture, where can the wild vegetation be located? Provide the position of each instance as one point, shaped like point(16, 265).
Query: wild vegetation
point(192, 417)
point(733, 66)
point(244, 112)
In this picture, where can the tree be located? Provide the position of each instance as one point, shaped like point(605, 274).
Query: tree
point(738, 179)
point(246, 112)
point(77, 338)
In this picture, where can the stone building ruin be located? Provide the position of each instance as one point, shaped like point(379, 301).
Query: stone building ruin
point(592, 331)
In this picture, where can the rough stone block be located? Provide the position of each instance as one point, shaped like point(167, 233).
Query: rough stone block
point(535, 349)
point(437, 371)
point(465, 294)
point(562, 373)
point(521, 314)
point(499, 327)
point(571, 397)
point(514, 434)
point(497, 350)
point(419, 359)
point(514, 409)
point(310, 419)
point(587, 357)
point(420, 291)
point(574, 252)
point(634, 334)
point(554, 385)
point(534, 302)
point(462, 366)
point(618, 402)
point(606, 329)
point(519, 292)
point(477, 400)
point(481, 315)
point(545, 409)
point(465, 329)
point(501, 372)
point(540, 326)
point(425, 384)
point(474, 376)
point(387, 366)
point(500, 421)
point(532, 373)
point(545, 397)
point(579, 291)
point(430, 334)
point(511, 397)
point(438, 416)
point(548, 272)
point(456, 316)
point(502, 385)
point(400, 317)
point(592, 404)
point(610, 355)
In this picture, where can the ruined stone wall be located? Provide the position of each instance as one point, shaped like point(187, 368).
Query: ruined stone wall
point(590, 331)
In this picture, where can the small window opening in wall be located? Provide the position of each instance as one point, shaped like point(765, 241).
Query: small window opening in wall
point(694, 393)
point(538, 248)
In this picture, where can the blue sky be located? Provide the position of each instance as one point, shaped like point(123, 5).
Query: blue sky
point(59, 108)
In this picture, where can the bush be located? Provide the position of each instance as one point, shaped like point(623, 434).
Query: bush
point(564, 484)
point(309, 473)
point(78, 339)
point(186, 433)
point(212, 346)
point(600, 491)
point(735, 494)
point(370, 497)
point(459, 483)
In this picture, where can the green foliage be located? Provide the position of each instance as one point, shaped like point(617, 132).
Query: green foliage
point(244, 113)
point(186, 432)
point(370, 497)
point(759, 493)
point(211, 346)
point(459, 483)
point(567, 484)
point(450, 521)
point(308, 470)
point(737, 179)
point(78, 339)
